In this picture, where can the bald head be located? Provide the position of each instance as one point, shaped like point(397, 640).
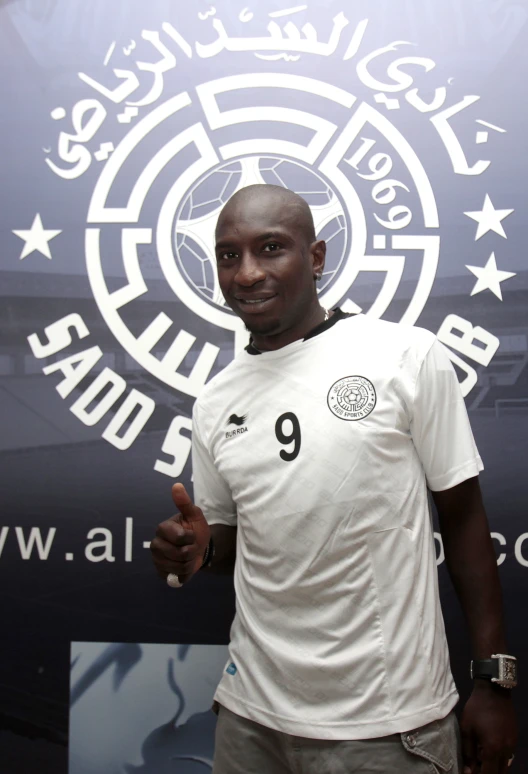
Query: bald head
point(294, 210)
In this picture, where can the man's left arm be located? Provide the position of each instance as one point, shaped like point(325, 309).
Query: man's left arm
point(488, 725)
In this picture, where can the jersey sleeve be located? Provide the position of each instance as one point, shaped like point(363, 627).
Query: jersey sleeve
point(211, 492)
point(440, 427)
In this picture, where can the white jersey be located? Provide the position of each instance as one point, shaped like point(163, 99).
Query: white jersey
point(321, 453)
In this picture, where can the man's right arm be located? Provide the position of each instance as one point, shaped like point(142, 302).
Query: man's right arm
point(224, 539)
point(214, 496)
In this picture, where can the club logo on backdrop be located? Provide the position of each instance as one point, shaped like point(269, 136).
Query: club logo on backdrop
point(165, 150)
point(352, 398)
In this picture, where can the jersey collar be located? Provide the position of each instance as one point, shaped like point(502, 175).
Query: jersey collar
point(338, 315)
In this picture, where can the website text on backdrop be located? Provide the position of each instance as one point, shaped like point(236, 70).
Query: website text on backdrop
point(313, 453)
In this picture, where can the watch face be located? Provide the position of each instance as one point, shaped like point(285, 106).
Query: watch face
point(509, 670)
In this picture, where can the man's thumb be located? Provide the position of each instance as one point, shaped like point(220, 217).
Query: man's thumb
point(185, 505)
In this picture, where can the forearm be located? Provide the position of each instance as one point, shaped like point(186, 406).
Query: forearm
point(472, 565)
point(224, 539)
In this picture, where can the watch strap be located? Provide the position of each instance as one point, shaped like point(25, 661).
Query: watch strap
point(208, 554)
point(486, 668)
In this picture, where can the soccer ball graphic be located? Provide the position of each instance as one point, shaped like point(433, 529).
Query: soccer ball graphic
point(354, 397)
point(198, 213)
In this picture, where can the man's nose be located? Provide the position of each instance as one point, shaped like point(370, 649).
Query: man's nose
point(250, 271)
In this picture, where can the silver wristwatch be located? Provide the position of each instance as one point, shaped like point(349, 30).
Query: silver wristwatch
point(500, 669)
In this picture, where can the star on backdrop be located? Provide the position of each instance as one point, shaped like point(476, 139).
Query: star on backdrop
point(489, 277)
point(489, 219)
point(36, 238)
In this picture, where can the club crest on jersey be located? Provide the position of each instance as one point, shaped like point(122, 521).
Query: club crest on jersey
point(352, 398)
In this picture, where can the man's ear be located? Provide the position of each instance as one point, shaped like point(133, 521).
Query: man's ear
point(318, 252)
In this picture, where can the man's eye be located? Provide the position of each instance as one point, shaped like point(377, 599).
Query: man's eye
point(271, 247)
point(226, 256)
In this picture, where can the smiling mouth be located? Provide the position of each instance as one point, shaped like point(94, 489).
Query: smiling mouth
point(255, 305)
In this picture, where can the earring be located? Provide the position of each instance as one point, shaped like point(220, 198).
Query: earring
point(318, 276)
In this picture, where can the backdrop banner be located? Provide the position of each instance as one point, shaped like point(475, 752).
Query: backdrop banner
point(125, 128)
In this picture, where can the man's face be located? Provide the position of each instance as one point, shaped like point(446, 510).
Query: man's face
point(262, 252)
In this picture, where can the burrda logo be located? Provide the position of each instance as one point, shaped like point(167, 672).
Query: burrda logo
point(240, 423)
point(184, 153)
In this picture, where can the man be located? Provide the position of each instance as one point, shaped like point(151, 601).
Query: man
point(312, 454)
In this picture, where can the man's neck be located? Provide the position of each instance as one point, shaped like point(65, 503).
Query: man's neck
point(271, 343)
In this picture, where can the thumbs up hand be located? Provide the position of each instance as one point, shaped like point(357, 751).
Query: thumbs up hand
point(179, 546)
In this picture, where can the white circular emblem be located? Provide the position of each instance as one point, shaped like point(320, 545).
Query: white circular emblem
point(352, 398)
point(179, 155)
